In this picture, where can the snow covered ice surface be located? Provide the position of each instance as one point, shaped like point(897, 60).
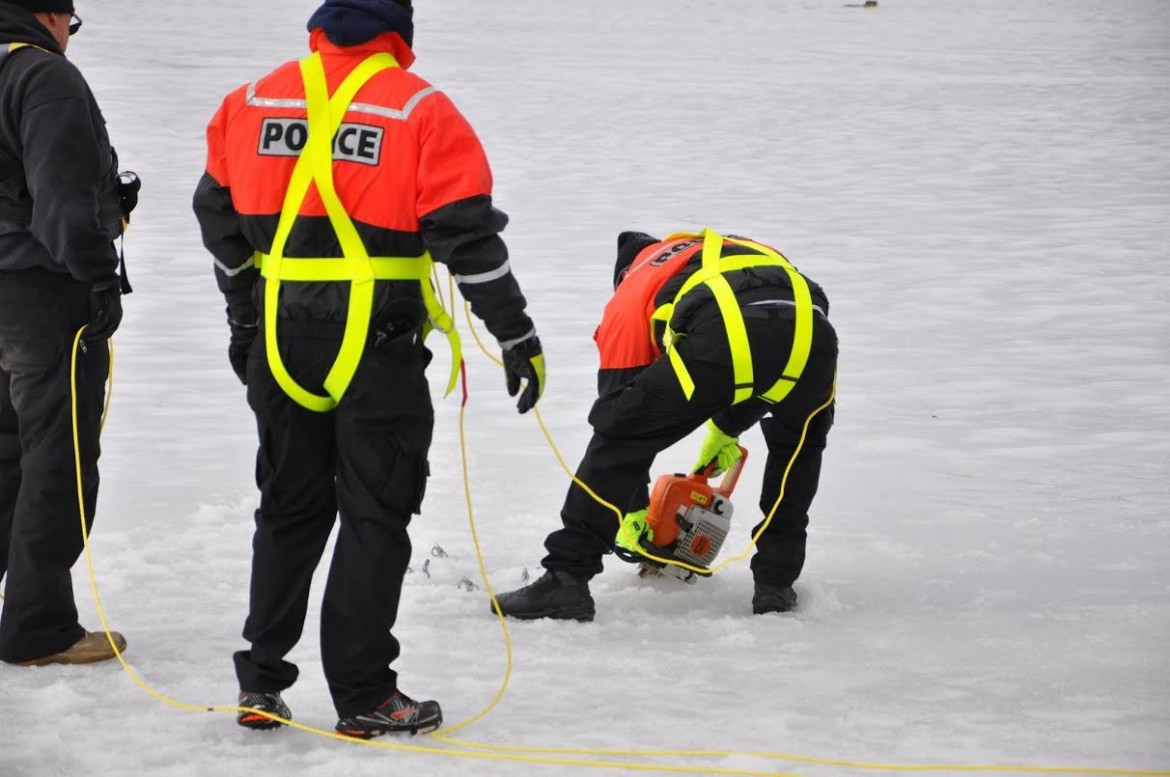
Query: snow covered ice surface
point(981, 185)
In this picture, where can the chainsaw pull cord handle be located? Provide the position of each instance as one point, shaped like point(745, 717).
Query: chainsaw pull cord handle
point(730, 478)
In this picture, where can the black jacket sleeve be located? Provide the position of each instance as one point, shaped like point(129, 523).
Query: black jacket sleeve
point(611, 380)
point(69, 167)
point(465, 235)
point(235, 270)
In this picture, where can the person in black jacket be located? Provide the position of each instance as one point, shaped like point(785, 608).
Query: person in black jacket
point(60, 211)
point(671, 361)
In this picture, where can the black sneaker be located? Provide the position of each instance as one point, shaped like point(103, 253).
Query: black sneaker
point(554, 595)
point(773, 598)
point(264, 702)
point(399, 714)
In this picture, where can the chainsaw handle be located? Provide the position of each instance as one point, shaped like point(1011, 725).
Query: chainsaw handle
point(730, 477)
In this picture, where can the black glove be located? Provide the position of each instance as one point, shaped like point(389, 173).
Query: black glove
point(245, 324)
point(525, 361)
point(243, 336)
point(128, 185)
point(105, 309)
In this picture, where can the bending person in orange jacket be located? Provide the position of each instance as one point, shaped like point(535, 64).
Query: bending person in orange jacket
point(646, 404)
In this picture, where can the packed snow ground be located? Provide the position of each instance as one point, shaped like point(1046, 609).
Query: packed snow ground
point(981, 186)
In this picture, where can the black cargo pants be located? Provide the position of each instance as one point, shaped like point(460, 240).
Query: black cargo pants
point(632, 426)
point(40, 528)
point(365, 461)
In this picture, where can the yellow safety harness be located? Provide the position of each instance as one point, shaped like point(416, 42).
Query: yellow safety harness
point(315, 166)
point(11, 47)
point(711, 274)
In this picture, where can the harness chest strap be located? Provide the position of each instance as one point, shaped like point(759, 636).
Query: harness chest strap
point(712, 274)
point(315, 166)
point(7, 49)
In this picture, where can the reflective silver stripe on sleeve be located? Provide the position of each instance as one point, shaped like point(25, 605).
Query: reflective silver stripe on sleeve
point(486, 277)
point(508, 344)
point(785, 303)
point(232, 272)
point(376, 110)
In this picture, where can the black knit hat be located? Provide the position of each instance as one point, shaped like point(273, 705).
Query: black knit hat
point(44, 6)
point(629, 245)
point(353, 22)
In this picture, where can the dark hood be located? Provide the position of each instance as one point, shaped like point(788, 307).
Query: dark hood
point(18, 25)
point(629, 245)
point(354, 22)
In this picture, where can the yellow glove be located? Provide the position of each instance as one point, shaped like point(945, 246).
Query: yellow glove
point(633, 527)
point(719, 449)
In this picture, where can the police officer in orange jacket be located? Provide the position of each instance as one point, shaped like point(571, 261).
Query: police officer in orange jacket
point(331, 185)
point(670, 361)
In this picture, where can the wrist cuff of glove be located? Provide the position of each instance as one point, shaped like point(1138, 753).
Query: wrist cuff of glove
point(528, 344)
point(240, 310)
point(714, 429)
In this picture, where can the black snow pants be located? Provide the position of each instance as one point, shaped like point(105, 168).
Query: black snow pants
point(365, 461)
point(635, 424)
point(40, 527)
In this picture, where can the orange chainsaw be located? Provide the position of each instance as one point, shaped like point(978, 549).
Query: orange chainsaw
point(688, 521)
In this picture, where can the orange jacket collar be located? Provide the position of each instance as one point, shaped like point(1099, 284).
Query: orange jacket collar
point(387, 41)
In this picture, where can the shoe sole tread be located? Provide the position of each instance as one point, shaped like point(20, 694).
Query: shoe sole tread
point(372, 733)
point(581, 614)
point(260, 723)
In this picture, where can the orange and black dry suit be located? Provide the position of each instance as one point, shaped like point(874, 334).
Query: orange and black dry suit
point(408, 172)
point(655, 393)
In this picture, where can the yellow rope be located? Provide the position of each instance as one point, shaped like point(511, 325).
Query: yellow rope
point(484, 751)
point(105, 415)
point(795, 758)
point(467, 754)
point(486, 581)
point(475, 335)
point(616, 511)
point(109, 387)
point(783, 485)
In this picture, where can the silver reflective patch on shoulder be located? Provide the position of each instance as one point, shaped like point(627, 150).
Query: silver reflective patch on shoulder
point(271, 102)
point(393, 113)
point(361, 143)
point(413, 102)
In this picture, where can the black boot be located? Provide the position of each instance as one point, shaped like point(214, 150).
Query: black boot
point(555, 595)
point(773, 598)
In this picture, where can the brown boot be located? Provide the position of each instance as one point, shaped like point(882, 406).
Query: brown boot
point(92, 647)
